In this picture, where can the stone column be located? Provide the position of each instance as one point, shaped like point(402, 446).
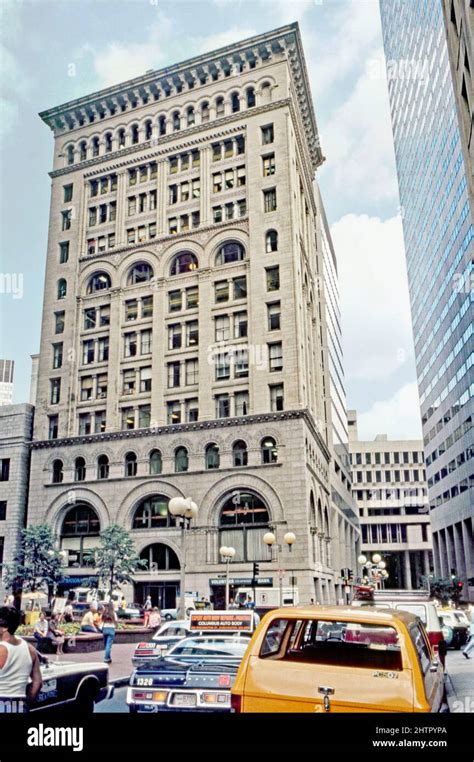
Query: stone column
point(162, 198)
point(468, 548)
point(115, 354)
point(460, 560)
point(407, 569)
point(205, 174)
point(121, 207)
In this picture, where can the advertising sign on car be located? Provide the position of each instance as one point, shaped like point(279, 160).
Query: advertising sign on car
point(235, 621)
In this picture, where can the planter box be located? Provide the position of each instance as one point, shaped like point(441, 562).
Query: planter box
point(90, 642)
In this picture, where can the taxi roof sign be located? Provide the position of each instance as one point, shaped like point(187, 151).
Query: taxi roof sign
point(224, 621)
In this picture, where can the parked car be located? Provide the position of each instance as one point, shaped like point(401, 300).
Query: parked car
point(73, 685)
point(455, 626)
point(339, 659)
point(416, 603)
point(131, 611)
point(166, 636)
point(196, 675)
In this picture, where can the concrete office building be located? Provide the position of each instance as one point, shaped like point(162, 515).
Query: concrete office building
point(435, 181)
point(390, 489)
point(6, 381)
point(16, 428)
point(182, 349)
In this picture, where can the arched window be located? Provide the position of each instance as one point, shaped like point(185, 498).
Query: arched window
point(130, 464)
point(271, 241)
point(220, 106)
point(135, 134)
point(160, 558)
point(266, 92)
point(230, 252)
point(95, 147)
point(148, 129)
point(156, 462)
point(80, 470)
point(176, 120)
point(205, 111)
point(235, 102)
point(152, 512)
point(121, 138)
point(57, 471)
point(140, 274)
point(239, 453)
point(70, 154)
point(243, 522)
point(79, 534)
point(269, 450)
point(102, 467)
point(190, 116)
point(162, 125)
point(98, 282)
point(212, 456)
point(250, 97)
point(83, 150)
point(62, 288)
point(184, 262)
point(108, 142)
point(181, 459)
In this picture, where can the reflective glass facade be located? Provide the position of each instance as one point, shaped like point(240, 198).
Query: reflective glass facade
point(439, 243)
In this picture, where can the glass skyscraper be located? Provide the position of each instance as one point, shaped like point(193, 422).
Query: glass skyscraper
point(438, 232)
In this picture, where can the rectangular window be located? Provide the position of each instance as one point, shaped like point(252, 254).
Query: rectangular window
point(242, 207)
point(112, 212)
point(241, 363)
point(63, 252)
point(196, 188)
point(377, 458)
point(192, 297)
point(222, 328)
point(222, 365)
point(276, 398)
point(152, 230)
point(102, 386)
point(268, 165)
point(55, 391)
point(216, 182)
point(128, 418)
point(267, 134)
point(142, 203)
point(5, 469)
point(242, 403)
point(174, 301)
point(273, 278)
point(129, 380)
point(92, 216)
point(222, 406)
point(270, 201)
point(66, 219)
point(53, 426)
point(185, 191)
point(174, 375)
point(192, 333)
point(145, 379)
point(386, 457)
point(273, 311)
point(57, 355)
point(87, 385)
point(241, 179)
point(131, 309)
point(130, 347)
point(192, 372)
point(221, 291)
point(130, 235)
point(275, 356)
point(174, 336)
point(147, 306)
point(144, 416)
point(132, 205)
point(240, 287)
point(145, 347)
point(84, 424)
point(195, 219)
point(217, 214)
point(229, 179)
point(173, 165)
point(90, 320)
point(111, 240)
point(216, 152)
point(103, 350)
point(174, 412)
point(59, 318)
point(173, 225)
point(191, 410)
point(3, 512)
point(240, 325)
point(88, 354)
point(396, 457)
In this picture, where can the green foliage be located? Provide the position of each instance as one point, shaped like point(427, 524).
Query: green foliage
point(37, 565)
point(445, 589)
point(115, 559)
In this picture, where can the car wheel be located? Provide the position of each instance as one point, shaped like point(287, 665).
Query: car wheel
point(85, 702)
point(168, 617)
point(133, 709)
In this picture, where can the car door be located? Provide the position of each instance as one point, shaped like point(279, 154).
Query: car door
point(431, 680)
point(328, 666)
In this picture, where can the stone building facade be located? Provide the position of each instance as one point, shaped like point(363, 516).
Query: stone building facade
point(16, 428)
point(182, 349)
point(389, 485)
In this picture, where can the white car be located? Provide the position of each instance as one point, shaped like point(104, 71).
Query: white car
point(166, 636)
point(75, 685)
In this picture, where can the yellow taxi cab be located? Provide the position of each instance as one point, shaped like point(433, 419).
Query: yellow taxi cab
point(339, 659)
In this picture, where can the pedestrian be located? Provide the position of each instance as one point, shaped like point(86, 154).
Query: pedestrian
point(470, 643)
point(10, 600)
point(98, 617)
point(87, 623)
point(68, 612)
point(123, 603)
point(147, 611)
point(109, 624)
point(55, 635)
point(154, 618)
point(40, 632)
point(232, 604)
point(20, 675)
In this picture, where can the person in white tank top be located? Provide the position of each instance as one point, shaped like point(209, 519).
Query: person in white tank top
point(18, 661)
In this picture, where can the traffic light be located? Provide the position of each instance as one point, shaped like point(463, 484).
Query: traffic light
point(256, 570)
point(350, 574)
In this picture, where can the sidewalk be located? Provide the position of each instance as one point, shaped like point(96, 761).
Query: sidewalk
point(119, 670)
point(460, 682)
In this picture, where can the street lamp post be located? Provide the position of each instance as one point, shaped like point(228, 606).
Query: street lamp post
point(186, 510)
point(270, 540)
point(376, 569)
point(227, 554)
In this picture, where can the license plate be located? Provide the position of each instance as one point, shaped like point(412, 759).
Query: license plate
point(184, 699)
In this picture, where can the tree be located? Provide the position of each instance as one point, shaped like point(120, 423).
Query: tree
point(446, 589)
point(37, 565)
point(115, 559)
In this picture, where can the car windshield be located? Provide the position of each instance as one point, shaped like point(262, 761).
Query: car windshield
point(213, 647)
point(413, 608)
point(346, 644)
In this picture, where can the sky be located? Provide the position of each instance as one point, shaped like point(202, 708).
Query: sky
point(53, 51)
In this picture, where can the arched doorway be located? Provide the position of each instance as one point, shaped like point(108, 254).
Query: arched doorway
point(163, 572)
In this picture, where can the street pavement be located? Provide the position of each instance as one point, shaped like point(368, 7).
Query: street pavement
point(460, 682)
point(120, 668)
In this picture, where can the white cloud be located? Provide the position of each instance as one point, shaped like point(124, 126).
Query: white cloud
point(287, 12)
point(357, 141)
point(376, 325)
point(221, 39)
point(398, 417)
